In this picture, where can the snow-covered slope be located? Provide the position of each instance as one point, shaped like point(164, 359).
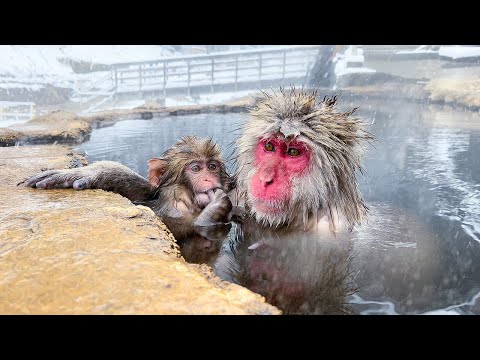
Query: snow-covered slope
point(31, 61)
point(22, 61)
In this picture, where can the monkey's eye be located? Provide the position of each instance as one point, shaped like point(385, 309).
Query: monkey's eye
point(293, 152)
point(195, 168)
point(269, 146)
point(212, 166)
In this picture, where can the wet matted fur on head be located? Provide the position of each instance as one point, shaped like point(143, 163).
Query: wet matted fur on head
point(333, 138)
point(183, 152)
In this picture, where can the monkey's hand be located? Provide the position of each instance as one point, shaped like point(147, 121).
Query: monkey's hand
point(215, 232)
point(78, 178)
point(217, 211)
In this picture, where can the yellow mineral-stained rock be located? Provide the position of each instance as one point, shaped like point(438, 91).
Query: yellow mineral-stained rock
point(461, 91)
point(58, 126)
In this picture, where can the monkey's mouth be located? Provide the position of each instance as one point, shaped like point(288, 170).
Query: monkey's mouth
point(204, 198)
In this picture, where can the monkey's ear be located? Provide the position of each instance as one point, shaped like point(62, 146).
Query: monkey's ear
point(156, 168)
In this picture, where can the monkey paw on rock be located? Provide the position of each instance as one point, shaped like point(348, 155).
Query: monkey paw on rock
point(78, 179)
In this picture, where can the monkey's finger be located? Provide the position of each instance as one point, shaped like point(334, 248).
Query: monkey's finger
point(214, 232)
point(32, 181)
point(211, 195)
point(217, 195)
point(81, 184)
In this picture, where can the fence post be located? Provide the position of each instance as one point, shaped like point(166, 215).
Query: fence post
point(236, 73)
point(164, 79)
point(260, 71)
point(140, 78)
point(283, 71)
point(116, 80)
point(115, 90)
point(211, 77)
point(188, 77)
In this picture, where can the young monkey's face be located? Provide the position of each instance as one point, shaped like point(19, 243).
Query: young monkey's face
point(204, 177)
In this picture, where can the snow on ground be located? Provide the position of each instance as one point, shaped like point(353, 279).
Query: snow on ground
point(423, 49)
point(354, 56)
point(32, 61)
point(43, 60)
point(341, 62)
point(457, 51)
point(342, 69)
point(111, 54)
point(441, 312)
point(23, 85)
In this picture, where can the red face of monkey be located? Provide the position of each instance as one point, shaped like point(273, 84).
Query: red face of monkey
point(277, 162)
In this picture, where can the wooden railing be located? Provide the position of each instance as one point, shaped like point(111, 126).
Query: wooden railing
point(234, 68)
point(101, 86)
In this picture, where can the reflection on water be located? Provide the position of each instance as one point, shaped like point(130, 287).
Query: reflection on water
point(419, 252)
point(198, 244)
point(299, 272)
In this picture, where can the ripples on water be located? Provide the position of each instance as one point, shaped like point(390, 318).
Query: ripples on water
point(438, 161)
point(420, 251)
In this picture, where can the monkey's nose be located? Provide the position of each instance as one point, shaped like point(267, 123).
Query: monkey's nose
point(266, 179)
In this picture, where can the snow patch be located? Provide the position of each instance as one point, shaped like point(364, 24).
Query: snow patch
point(424, 49)
point(16, 85)
point(373, 307)
point(350, 56)
point(111, 54)
point(31, 61)
point(441, 312)
point(457, 51)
